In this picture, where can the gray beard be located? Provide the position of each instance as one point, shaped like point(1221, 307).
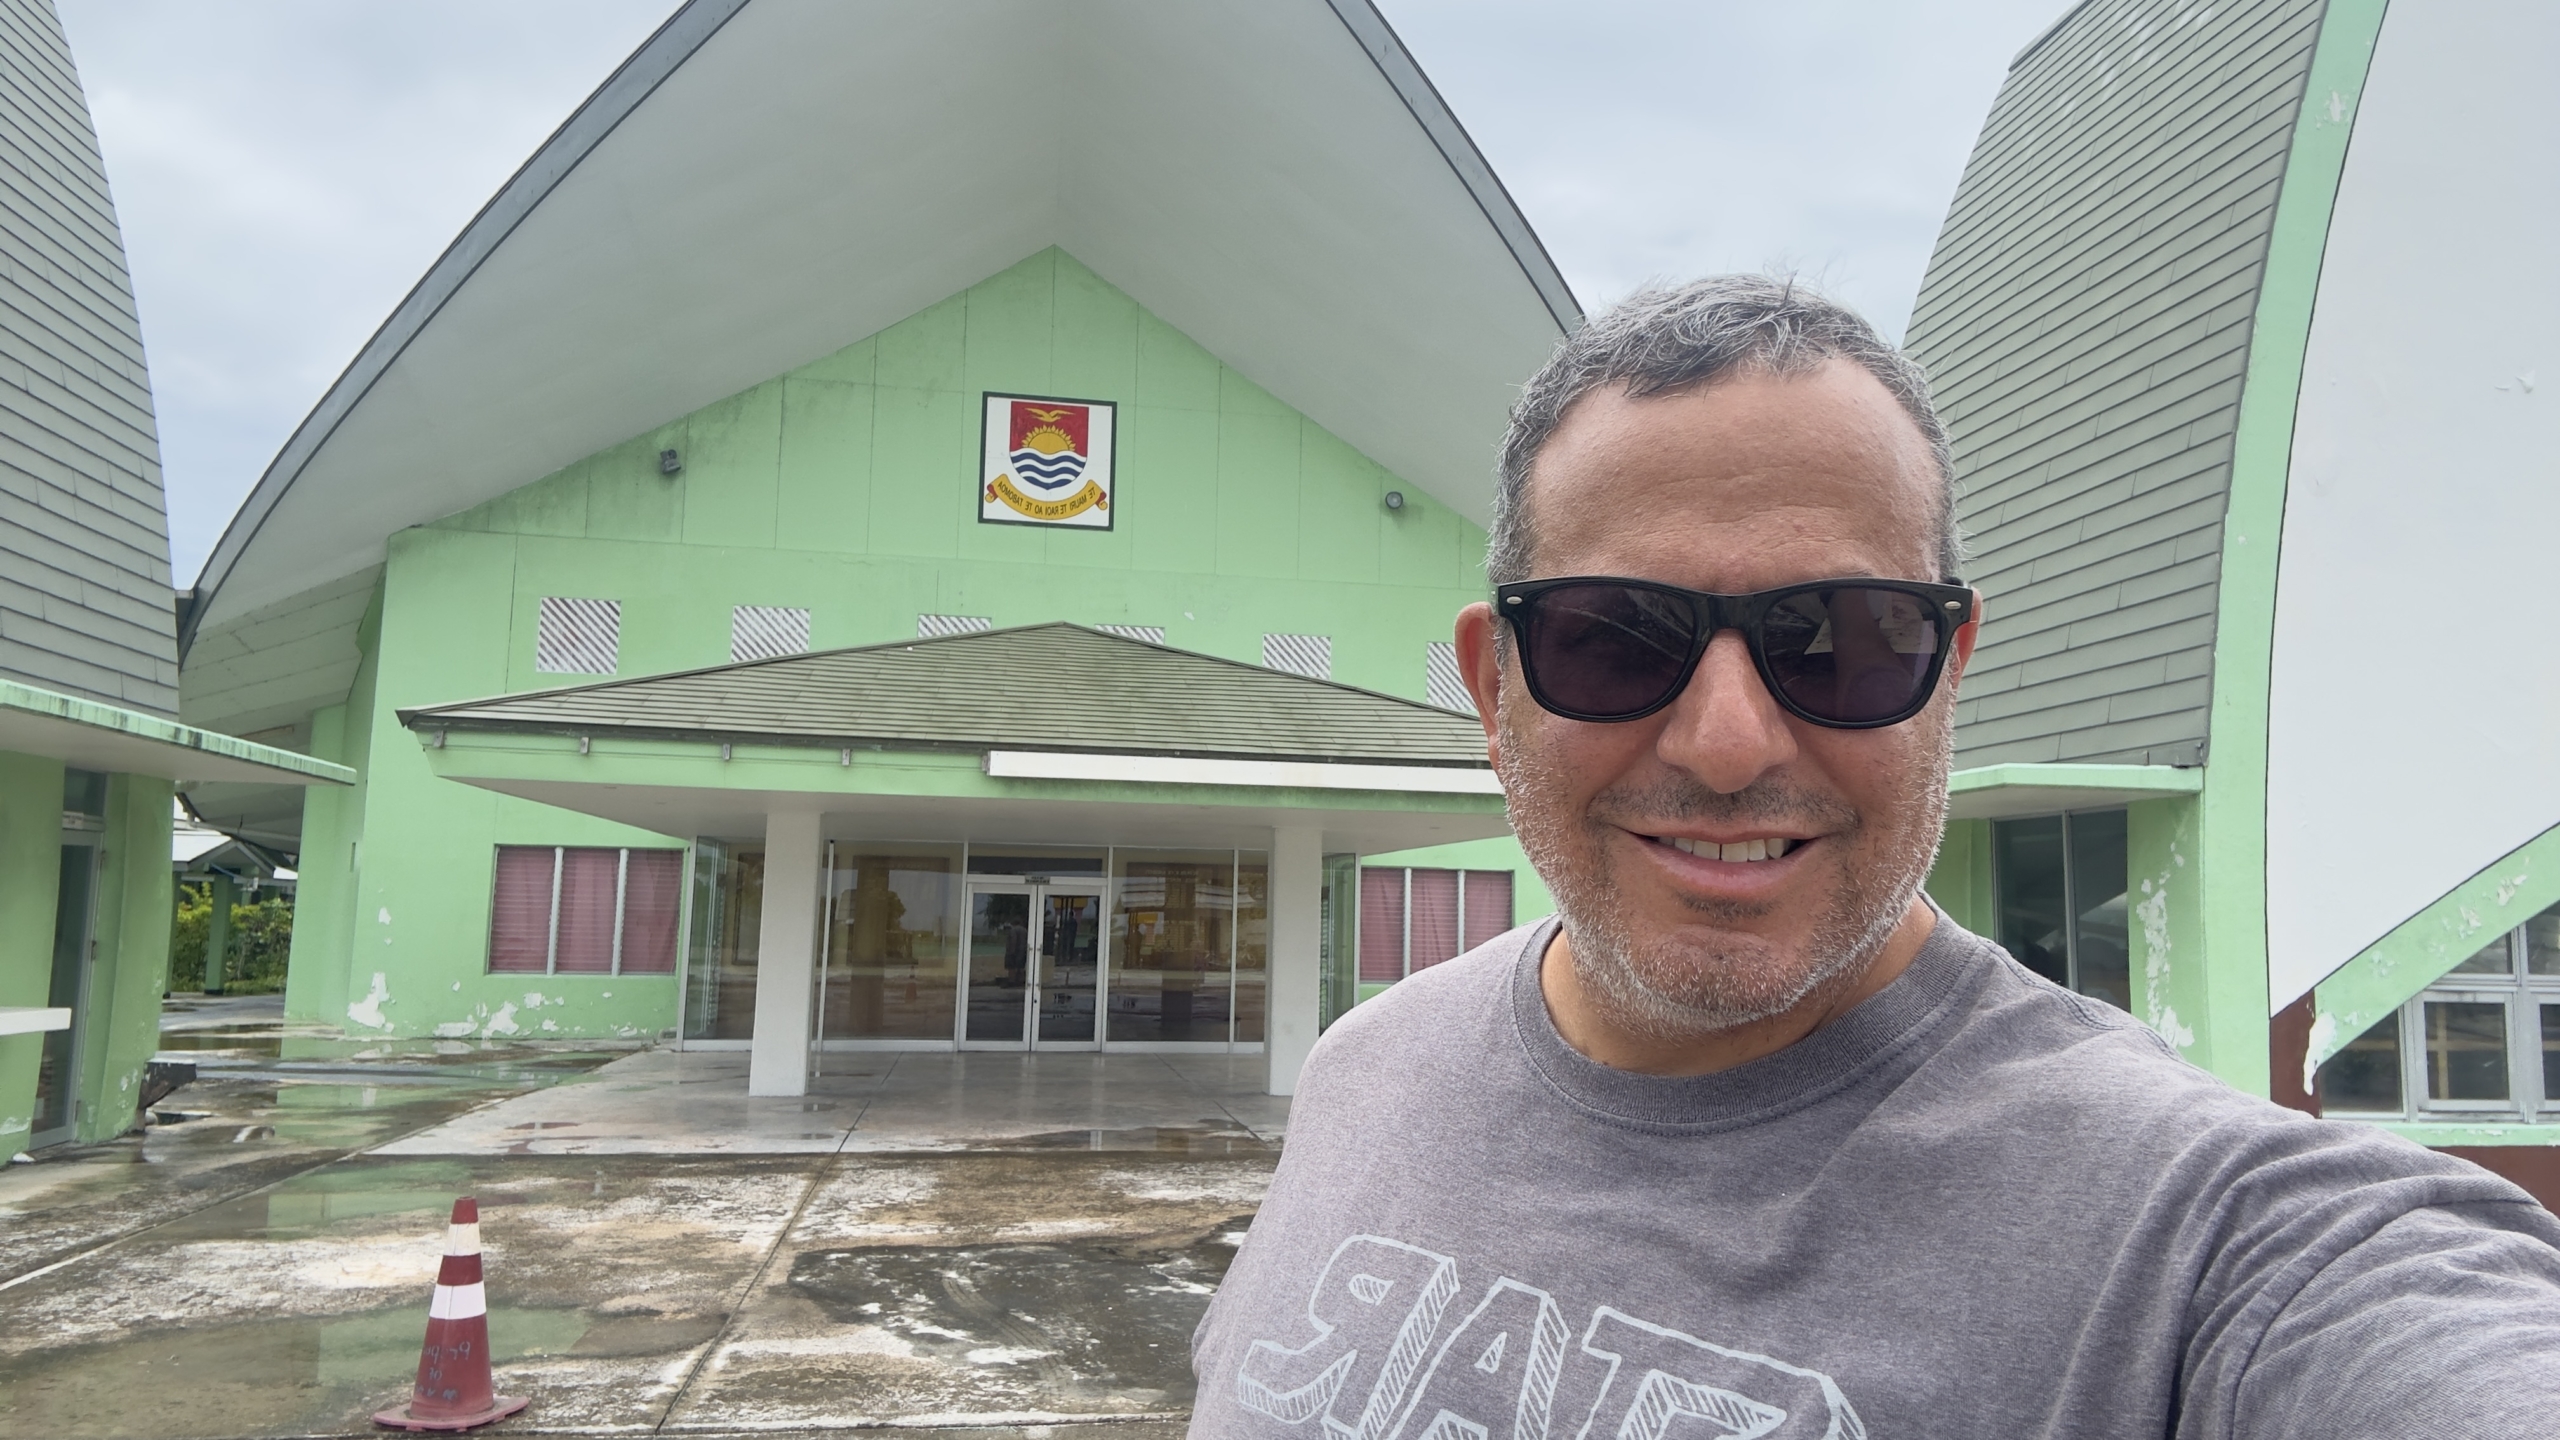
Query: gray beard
point(1690, 990)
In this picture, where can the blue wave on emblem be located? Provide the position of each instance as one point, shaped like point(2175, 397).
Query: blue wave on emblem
point(1048, 472)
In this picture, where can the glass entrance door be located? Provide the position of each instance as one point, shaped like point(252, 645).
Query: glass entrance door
point(1035, 965)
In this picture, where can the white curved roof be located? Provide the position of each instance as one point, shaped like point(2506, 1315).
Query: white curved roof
point(766, 181)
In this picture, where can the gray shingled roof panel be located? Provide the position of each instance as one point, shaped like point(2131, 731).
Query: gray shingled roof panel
point(1035, 687)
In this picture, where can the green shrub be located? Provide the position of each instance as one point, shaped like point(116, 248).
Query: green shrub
point(261, 936)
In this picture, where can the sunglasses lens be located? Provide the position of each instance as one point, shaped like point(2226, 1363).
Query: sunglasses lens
point(1605, 650)
point(1852, 654)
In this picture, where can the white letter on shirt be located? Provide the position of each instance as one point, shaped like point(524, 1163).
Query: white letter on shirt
point(1373, 1311)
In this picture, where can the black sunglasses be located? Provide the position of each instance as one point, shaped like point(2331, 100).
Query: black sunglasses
point(1847, 654)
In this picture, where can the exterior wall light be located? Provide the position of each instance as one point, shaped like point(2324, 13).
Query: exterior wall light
point(1395, 499)
point(669, 462)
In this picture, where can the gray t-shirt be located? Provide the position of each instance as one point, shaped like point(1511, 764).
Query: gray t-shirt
point(1976, 1205)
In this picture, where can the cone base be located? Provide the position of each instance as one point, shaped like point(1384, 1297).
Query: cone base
point(500, 1407)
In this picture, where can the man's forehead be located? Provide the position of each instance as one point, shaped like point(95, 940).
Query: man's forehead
point(1822, 459)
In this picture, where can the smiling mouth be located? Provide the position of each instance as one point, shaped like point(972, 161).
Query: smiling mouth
point(1739, 852)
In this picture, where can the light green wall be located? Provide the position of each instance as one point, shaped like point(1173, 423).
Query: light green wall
point(848, 487)
point(331, 856)
point(30, 876)
point(1960, 881)
point(119, 1022)
point(2172, 984)
point(120, 1025)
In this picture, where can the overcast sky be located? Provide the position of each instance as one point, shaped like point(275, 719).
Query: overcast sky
point(286, 169)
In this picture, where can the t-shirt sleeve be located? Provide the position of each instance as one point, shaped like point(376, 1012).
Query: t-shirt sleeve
point(2443, 1321)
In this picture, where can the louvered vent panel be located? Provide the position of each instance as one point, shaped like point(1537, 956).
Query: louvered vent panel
point(767, 632)
point(577, 637)
point(1152, 634)
point(1308, 655)
point(929, 626)
point(1441, 682)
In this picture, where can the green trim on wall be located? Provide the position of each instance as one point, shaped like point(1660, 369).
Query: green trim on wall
point(2133, 779)
point(30, 881)
point(2436, 1134)
point(1960, 880)
point(2232, 1026)
point(2386, 974)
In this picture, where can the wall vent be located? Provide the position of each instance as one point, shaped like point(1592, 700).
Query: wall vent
point(1152, 634)
point(577, 637)
point(1441, 681)
point(929, 626)
point(767, 632)
point(1308, 655)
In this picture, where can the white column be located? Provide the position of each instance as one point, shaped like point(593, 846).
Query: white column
point(786, 957)
point(1297, 982)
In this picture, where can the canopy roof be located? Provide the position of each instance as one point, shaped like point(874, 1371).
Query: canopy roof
point(763, 183)
point(88, 735)
point(1055, 687)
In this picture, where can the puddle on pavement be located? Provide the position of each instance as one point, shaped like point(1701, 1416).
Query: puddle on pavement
point(257, 1377)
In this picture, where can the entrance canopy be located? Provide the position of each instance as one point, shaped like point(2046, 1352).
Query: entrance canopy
point(1051, 734)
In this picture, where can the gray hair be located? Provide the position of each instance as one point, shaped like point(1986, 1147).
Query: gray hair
point(1662, 339)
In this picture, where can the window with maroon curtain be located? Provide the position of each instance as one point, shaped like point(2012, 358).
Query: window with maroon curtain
point(1381, 926)
point(587, 883)
point(520, 911)
point(1435, 919)
point(1488, 906)
point(652, 885)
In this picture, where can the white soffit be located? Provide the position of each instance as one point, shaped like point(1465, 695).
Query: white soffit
point(767, 181)
point(1274, 774)
point(2414, 683)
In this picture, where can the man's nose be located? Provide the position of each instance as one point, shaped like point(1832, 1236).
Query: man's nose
point(1725, 728)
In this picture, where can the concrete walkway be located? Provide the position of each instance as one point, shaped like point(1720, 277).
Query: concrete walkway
point(670, 1102)
point(989, 1245)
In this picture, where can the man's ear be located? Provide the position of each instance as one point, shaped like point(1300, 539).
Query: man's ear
point(1966, 634)
point(1480, 665)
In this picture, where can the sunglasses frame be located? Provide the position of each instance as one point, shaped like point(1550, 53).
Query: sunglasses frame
point(1948, 605)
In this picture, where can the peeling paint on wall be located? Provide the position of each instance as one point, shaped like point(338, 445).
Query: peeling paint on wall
point(368, 1011)
point(2153, 912)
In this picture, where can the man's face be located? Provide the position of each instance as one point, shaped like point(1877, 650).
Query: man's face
point(1747, 484)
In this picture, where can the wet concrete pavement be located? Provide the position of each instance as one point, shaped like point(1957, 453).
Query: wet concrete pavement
point(1013, 1247)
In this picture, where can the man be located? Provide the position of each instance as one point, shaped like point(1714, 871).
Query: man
point(1756, 1141)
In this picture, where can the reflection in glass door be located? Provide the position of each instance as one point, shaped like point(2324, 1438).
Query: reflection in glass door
point(1011, 1003)
point(1070, 967)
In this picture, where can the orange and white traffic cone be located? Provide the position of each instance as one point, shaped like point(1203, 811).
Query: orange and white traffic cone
point(455, 1390)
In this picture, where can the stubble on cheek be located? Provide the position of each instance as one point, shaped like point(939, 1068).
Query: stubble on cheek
point(1721, 964)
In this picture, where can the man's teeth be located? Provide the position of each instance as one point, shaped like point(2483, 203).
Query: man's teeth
point(1740, 850)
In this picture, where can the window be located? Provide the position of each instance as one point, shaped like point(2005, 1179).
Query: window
point(929, 627)
point(1441, 682)
point(767, 632)
point(584, 910)
point(1414, 919)
point(1308, 655)
point(2482, 1041)
point(2060, 883)
point(1152, 634)
point(577, 637)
